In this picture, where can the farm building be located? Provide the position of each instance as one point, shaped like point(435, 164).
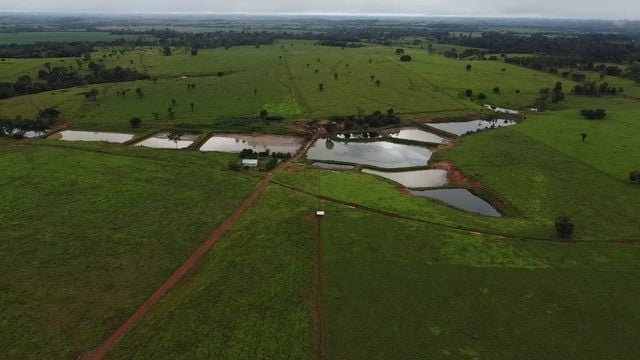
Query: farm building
point(252, 163)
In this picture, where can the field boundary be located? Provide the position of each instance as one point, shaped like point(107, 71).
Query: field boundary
point(170, 282)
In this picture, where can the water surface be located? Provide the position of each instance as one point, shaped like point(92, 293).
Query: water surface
point(234, 143)
point(358, 135)
point(162, 141)
point(26, 134)
point(73, 135)
point(461, 199)
point(414, 179)
point(466, 127)
point(380, 154)
point(416, 135)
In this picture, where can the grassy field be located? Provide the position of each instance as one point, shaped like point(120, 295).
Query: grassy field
point(90, 231)
point(12, 69)
point(251, 297)
point(397, 289)
point(284, 79)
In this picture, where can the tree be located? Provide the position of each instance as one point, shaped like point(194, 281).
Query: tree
point(166, 51)
point(564, 226)
point(406, 58)
point(335, 76)
point(156, 116)
point(91, 94)
point(220, 74)
point(378, 83)
point(174, 102)
point(192, 104)
point(482, 96)
point(175, 137)
point(255, 92)
point(194, 52)
point(556, 93)
point(634, 177)
point(48, 116)
point(496, 90)
point(399, 51)
point(263, 114)
point(321, 87)
point(468, 92)
point(468, 67)
point(584, 136)
point(372, 77)
point(135, 122)
point(430, 48)
point(139, 92)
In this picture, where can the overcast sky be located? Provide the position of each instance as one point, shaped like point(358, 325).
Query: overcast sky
point(609, 9)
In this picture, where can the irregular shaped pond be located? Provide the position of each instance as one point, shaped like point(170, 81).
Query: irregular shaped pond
point(330, 166)
point(461, 128)
point(380, 154)
point(162, 141)
point(461, 199)
point(22, 133)
point(73, 135)
point(501, 110)
point(234, 143)
point(416, 135)
point(413, 179)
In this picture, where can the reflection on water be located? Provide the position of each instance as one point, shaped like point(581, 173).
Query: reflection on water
point(416, 135)
point(72, 135)
point(461, 199)
point(414, 179)
point(329, 166)
point(162, 141)
point(380, 154)
point(461, 128)
point(234, 143)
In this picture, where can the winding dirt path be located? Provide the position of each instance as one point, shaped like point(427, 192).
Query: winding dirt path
point(179, 273)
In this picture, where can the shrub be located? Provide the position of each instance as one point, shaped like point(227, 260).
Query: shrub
point(593, 114)
point(482, 96)
point(135, 122)
point(564, 226)
point(634, 177)
point(406, 58)
point(468, 92)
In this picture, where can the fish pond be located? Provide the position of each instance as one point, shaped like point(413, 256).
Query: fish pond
point(415, 134)
point(466, 127)
point(235, 143)
point(413, 179)
point(162, 141)
point(381, 154)
point(73, 135)
point(330, 166)
point(461, 199)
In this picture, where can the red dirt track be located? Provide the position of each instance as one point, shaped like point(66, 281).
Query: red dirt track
point(179, 273)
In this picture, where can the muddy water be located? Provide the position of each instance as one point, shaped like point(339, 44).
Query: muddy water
point(234, 143)
point(162, 141)
point(329, 166)
point(461, 199)
point(416, 135)
point(461, 128)
point(414, 179)
point(380, 154)
point(73, 135)
point(25, 134)
point(358, 135)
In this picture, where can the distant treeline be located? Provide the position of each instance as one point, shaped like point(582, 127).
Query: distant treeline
point(63, 77)
point(581, 48)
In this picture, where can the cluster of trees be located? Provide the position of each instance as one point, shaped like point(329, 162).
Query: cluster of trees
point(549, 95)
point(64, 77)
point(591, 88)
point(375, 119)
point(593, 114)
point(45, 118)
point(342, 44)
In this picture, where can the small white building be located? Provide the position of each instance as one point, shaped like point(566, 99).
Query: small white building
point(251, 163)
point(319, 213)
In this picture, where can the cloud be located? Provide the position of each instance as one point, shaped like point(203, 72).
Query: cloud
point(612, 9)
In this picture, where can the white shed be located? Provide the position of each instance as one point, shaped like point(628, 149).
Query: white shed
point(252, 163)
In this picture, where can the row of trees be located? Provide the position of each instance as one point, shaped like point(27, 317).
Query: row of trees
point(12, 126)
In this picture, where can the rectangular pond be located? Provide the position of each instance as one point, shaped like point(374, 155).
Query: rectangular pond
point(162, 141)
point(73, 135)
point(416, 134)
point(466, 127)
point(461, 199)
point(380, 154)
point(413, 179)
point(234, 143)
